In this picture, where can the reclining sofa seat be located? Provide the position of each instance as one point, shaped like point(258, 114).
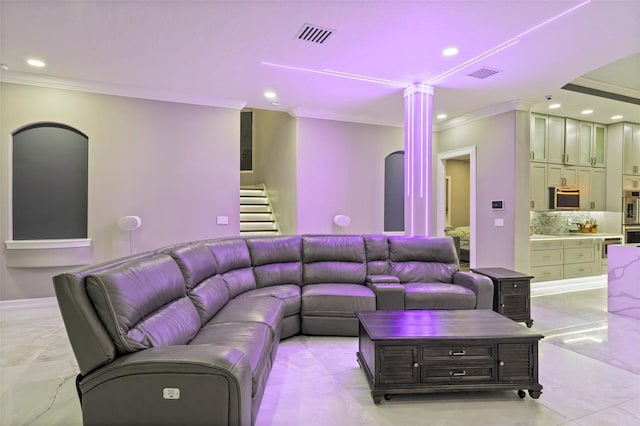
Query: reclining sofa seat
point(333, 284)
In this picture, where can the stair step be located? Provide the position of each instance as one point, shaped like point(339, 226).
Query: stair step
point(256, 217)
point(252, 193)
point(258, 226)
point(258, 233)
point(253, 200)
point(255, 208)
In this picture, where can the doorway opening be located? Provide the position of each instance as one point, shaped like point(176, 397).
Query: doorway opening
point(456, 214)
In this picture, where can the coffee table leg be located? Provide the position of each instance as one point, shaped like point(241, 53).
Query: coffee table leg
point(535, 394)
point(377, 399)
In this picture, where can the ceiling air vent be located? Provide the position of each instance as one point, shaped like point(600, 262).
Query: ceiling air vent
point(484, 72)
point(314, 34)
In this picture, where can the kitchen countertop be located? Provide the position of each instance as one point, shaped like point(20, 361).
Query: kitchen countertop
point(539, 237)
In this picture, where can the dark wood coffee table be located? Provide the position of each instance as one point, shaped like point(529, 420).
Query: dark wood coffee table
point(405, 352)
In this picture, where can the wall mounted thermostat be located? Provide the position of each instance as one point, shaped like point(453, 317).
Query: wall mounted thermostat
point(497, 205)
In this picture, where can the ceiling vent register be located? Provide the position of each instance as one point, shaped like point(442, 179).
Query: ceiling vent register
point(484, 72)
point(314, 33)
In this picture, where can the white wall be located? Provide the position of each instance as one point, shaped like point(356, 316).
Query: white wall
point(341, 171)
point(174, 165)
point(275, 163)
point(502, 147)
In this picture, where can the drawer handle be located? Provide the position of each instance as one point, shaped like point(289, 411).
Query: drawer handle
point(515, 285)
point(501, 363)
point(460, 353)
point(457, 373)
point(415, 365)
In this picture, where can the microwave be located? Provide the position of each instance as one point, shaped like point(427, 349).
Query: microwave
point(564, 198)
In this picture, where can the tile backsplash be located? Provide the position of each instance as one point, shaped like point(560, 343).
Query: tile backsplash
point(557, 222)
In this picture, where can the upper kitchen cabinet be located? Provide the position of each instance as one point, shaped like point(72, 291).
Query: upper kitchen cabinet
point(571, 142)
point(631, 149)
point(591, 144)
point(539, 142)
point(547, 139)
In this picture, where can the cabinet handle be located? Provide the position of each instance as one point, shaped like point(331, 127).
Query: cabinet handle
point(457, 373)
point(593, 205)
point(532, 204)
point(459, 353)
point(415, 365)
point(515, 285)
point(531, 156)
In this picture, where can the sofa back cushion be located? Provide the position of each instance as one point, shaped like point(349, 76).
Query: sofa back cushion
point(276, 260)
point(377, 249)
point(233, 263)
point(206, 288)
point(333, 259)
point(423, 259)
point(143, 304)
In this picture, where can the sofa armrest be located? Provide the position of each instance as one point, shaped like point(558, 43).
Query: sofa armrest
point(481, 285)
point(382, 279)
point(388, 290)
point(217, 380)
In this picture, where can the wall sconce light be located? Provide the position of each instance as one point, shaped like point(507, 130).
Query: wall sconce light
point(129, 224)
point(341, 221)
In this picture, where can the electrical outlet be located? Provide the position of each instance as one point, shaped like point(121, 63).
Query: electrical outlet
point(569, 221)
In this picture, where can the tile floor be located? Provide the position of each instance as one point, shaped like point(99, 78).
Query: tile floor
point(589, 367)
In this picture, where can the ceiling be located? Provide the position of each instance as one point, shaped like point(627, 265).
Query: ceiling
point(218, 53)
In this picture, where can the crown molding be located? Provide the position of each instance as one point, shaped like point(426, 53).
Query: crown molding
point(39, 80)
point(513, 105)
point(331, 115)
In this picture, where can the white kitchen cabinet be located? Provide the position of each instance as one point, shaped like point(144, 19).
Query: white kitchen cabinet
point(560, 258)
point(559, 175)
point(630, 183)
point(555, 140)
point(592, 184)
point(631, 149)
point(538, 192)
point(538, 144)
point(571, 141)
point(591, 144)
point(599, 145)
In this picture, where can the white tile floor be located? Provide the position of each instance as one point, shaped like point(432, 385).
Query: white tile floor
point(589, 367)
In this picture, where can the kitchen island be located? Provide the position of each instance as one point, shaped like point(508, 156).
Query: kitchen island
point(623, 285)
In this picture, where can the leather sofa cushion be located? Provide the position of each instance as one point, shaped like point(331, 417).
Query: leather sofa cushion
point(337, 300)
point(269, 250)
point(276, 260)
point(196, 263)
point(438, 296)
point(209, 296)
point(266, 310)
point(423, 249)
point(416, 272)
point(377, 249)
point(143, 304)
point(335, 248)
point(334, 272)
point(233, 264)
point(251, 338)
point(288, 293)
point(278, 273)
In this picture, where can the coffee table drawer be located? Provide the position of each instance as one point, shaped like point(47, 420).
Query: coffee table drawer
point(455, 353)
point(457, 374)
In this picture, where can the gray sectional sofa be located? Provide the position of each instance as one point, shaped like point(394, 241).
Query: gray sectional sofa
point(188, 334)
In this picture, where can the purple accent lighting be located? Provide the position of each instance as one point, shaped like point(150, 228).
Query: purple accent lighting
point(417, 144)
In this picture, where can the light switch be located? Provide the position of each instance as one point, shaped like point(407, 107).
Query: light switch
point(498, 222)
point(222, 220)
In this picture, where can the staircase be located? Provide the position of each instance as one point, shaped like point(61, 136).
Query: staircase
point(256, 215)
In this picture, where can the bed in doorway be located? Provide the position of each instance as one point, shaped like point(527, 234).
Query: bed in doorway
point(462, 234)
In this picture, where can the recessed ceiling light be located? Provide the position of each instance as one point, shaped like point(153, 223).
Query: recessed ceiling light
point(554, 106)
point(36, 63)
point(441, 116)
point(586, 111)
point(450, 51)
point(616, 117)
point(270, 95)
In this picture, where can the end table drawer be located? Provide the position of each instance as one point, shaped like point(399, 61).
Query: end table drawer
point(457, 353)
point(457, 374)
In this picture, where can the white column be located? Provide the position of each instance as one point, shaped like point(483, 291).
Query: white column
point(417, 158)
